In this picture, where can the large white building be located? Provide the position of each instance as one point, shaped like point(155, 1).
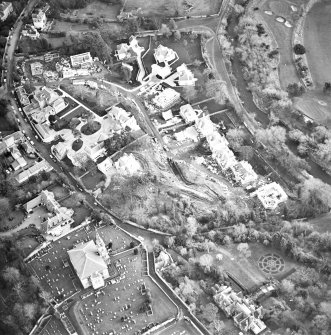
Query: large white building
point(39, 19)
point(81, 60)
point(164, 54)
point(90, 262)
point(188, 113)
point(185, 76)
point(243, 173)
point(270, 195)
point(5, 9)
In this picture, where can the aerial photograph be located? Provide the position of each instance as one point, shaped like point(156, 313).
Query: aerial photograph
point(165, 167)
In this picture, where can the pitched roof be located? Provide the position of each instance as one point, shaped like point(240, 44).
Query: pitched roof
point(85, 259)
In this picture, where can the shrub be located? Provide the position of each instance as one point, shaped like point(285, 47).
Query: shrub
point(299, 49)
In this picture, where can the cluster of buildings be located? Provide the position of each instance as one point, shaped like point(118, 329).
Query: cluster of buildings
point(6, 9)
point(9, 144)
point(58, 218)
point(244, 312)
point(90, 261)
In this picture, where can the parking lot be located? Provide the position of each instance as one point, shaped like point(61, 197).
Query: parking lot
point(118, 307)
point(52, 265)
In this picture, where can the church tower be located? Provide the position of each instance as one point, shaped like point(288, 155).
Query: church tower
point(101, 246)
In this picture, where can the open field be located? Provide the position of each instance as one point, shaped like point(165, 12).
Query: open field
point(98, 9)
point(91, 181)
point(322, 224)
point(318, 42)
point(283, 35)
point(316, 105)
point(173, 7)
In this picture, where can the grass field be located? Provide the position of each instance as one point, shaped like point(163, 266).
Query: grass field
point(173, 7)
point(99, 9)
point(322, 224)
point(318, 42)
point(283, 35)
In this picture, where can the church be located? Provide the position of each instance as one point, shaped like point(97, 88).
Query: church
point(90, 262)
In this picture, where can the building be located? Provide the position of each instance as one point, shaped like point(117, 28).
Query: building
point(185, 76)
point(167, 115)
point(33, 170)
point(188, 133)
point(58, 216)
point(205, 126)
point(106, 166)
point(167, 98)
point(270, 195)
point(46, 134)
point(59, 105)
point(89, 261)
point(161, 71)
point(45, 96)
point(60, 150)
point(188, 113)
point(39, 19)
point(81, 60)
point(123, 117)
point(164, 54)
point(30, 31)
point(22, 96)
point(10, 140)
point(5, 9)
point(37, 68)
point(246, 315)
point(243, 173)
point(125, 51)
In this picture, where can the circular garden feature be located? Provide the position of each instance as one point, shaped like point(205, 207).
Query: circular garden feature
point(90, 127)
point(271, 264)
point(77, 144)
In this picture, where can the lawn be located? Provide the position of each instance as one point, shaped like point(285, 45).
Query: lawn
point(81, 212)
point(14, 219)
point(90, 180)
point(173, 7)
point(59, 191)
point(322, 224)
point(186, 54)
point(98, 9)
point(5, 125)
point(283, 35)
point(75, 113)
point(318, 42)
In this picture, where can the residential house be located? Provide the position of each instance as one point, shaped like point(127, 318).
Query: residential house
point(39, 19)
point(127, 164)
point(37, 68)
point(81, 60)
point(188, 133)
point(167, 115)
point(243, 173)
point(60, 150)
point(58, 217)
point(33, 170)
point(106, 166)
point(30, 31)
point(164, 54)
point(88, 260)
point(58, 105)
point(125, 51)
point(185, 76)
point(10, 140)
point(270, 195)
point(161, 71)
point(205, 126)
point(5, 9)
point(188, 113)
point(167, 98)
point(22, 96)
point(124, 118)
point(46, 134)
point(45, 96)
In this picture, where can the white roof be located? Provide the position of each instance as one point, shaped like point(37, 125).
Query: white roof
point(127, 164)
point(85, 260)
point(164, 54)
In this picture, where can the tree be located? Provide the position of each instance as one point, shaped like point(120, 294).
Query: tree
point(4, 207)
point(11, 274)
point(191, 226)
point(77, 134)
point(177, 35)
point(321, 323)
point(236, 138)
point(295, 90)
point(209, 312)
point(169, 241)
point(244, 250)
point(327, 88)
point(218, 325)
point(287, 286)
point(127, 73)
point(172, 24)
point(74, 122)
point(206, 261)
point(165, 30)
point(189, 92)
point(299, 49)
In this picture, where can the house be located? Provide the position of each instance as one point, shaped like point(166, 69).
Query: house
point(10, 140)
point(188, 133)
point(106, 166)
point(78, 82)
point(127, 164)
point(5, 9)
point(81, 60)
point(270, 195)
point(167, 115)
point(89, 261)
point(46, 134)
point(36, 68)
point(161, 71)
point(45, 96)
point(58, 217)
point(92, 84)
point(59, 104)
point(33, 170)
point(39, 19)
point(185, 76)
point(123, 51)
point(164, 54)
point(122, 116)
point(30, 31)
point(246, 315)
point(188, 113)
point(167, 98)
point(205, 126)
point(243, 173)
point(22, 96)
point(59, 150)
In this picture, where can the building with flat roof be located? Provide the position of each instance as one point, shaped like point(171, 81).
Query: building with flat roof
point(270, 195)
point(39, 19)
point(167, 98)
point(243, 173)
point(81, 60)
point(90, 263)
point(37, 68)
point(164, 54)
point(5, 9)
